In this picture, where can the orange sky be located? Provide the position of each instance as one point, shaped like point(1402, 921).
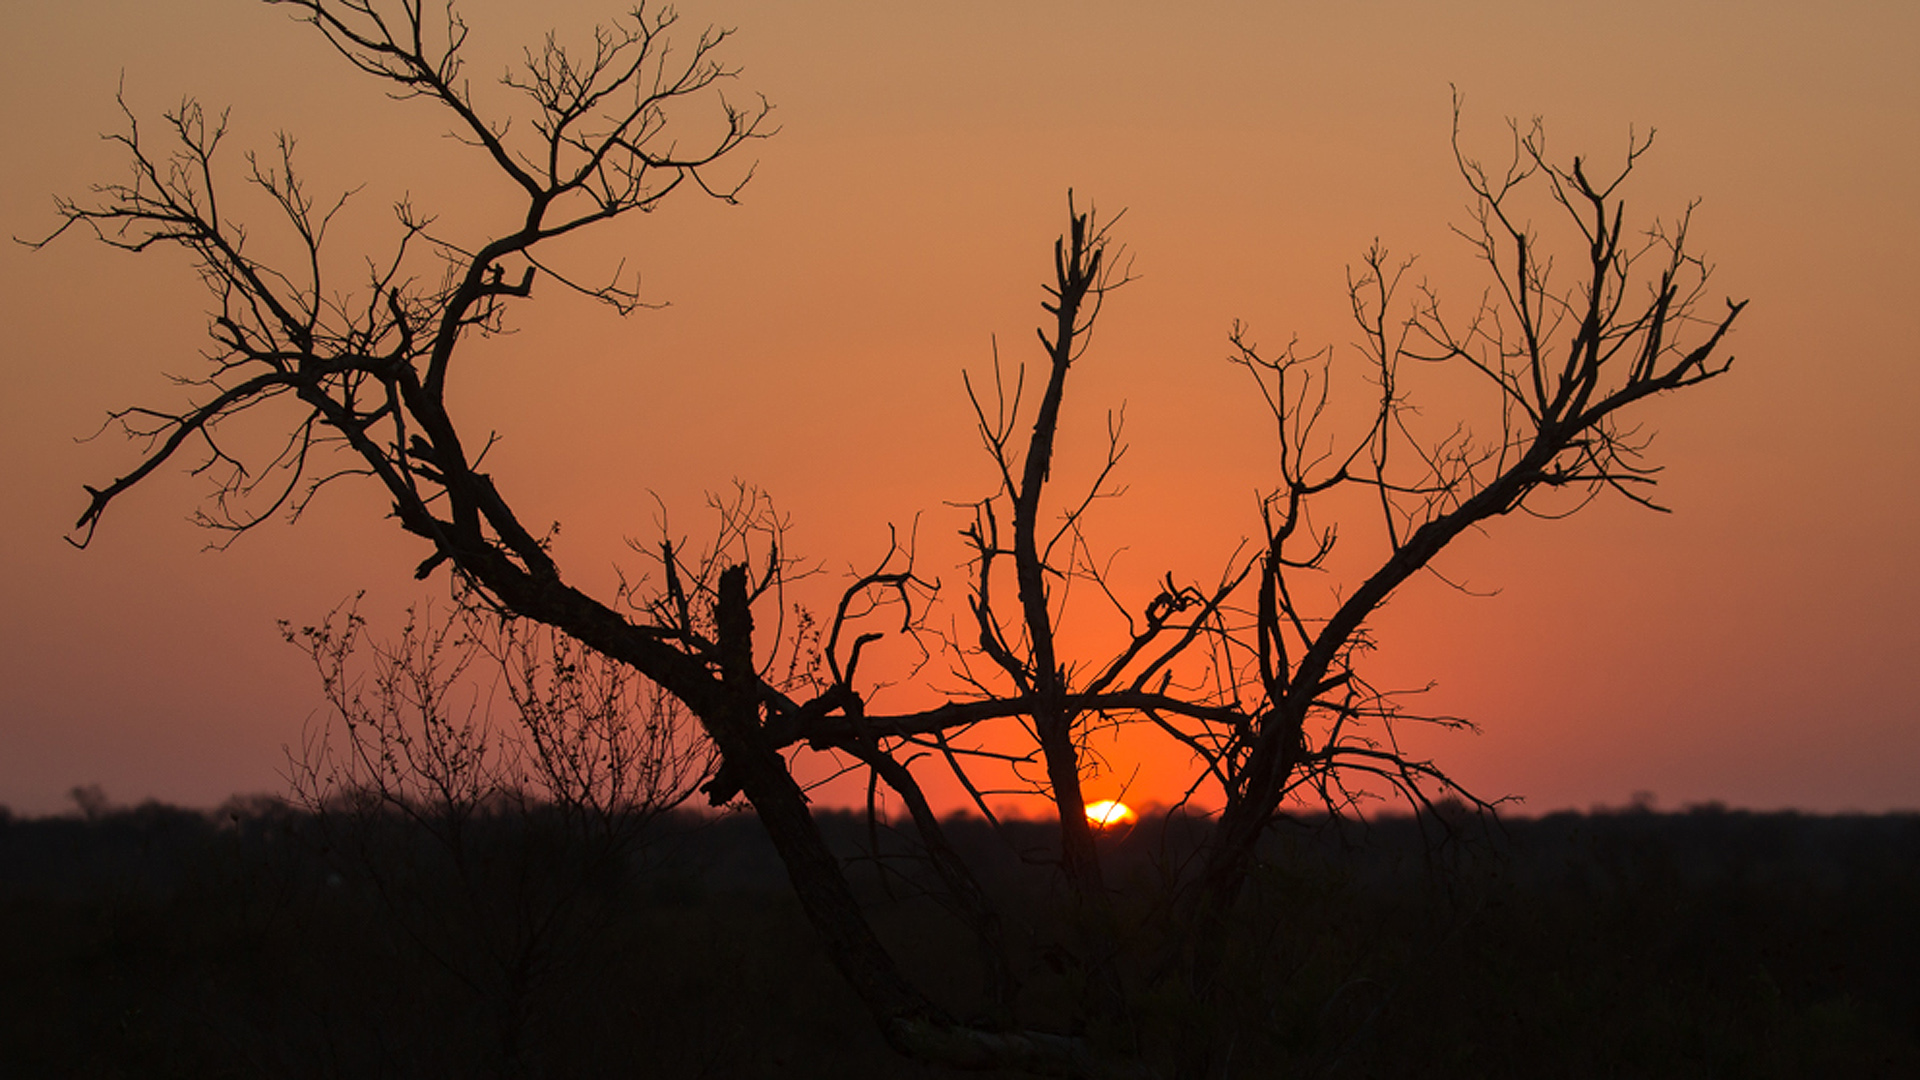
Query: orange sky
point(1754, 647)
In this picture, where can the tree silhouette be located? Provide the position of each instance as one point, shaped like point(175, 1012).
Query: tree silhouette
point(532, 819)
point(1257, 670)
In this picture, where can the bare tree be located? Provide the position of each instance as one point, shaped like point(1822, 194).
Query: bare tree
point(1255, 670)
point(532, 811)
point(420, 725)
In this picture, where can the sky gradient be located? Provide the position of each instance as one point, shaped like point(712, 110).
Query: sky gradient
point(1756, 647)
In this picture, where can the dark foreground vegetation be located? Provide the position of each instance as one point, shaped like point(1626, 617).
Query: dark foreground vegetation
point(263, 942)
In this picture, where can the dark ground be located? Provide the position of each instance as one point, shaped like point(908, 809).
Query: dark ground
point(156, 942)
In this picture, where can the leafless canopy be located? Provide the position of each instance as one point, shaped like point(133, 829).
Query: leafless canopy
point(365, 364)
point(1255, 670)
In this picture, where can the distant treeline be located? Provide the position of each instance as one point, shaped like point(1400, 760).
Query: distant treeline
point(263, 941)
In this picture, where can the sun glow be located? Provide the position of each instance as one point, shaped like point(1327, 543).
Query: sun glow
point(1107, 813)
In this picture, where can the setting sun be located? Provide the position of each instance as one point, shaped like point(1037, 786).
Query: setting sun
point(1108, 812)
